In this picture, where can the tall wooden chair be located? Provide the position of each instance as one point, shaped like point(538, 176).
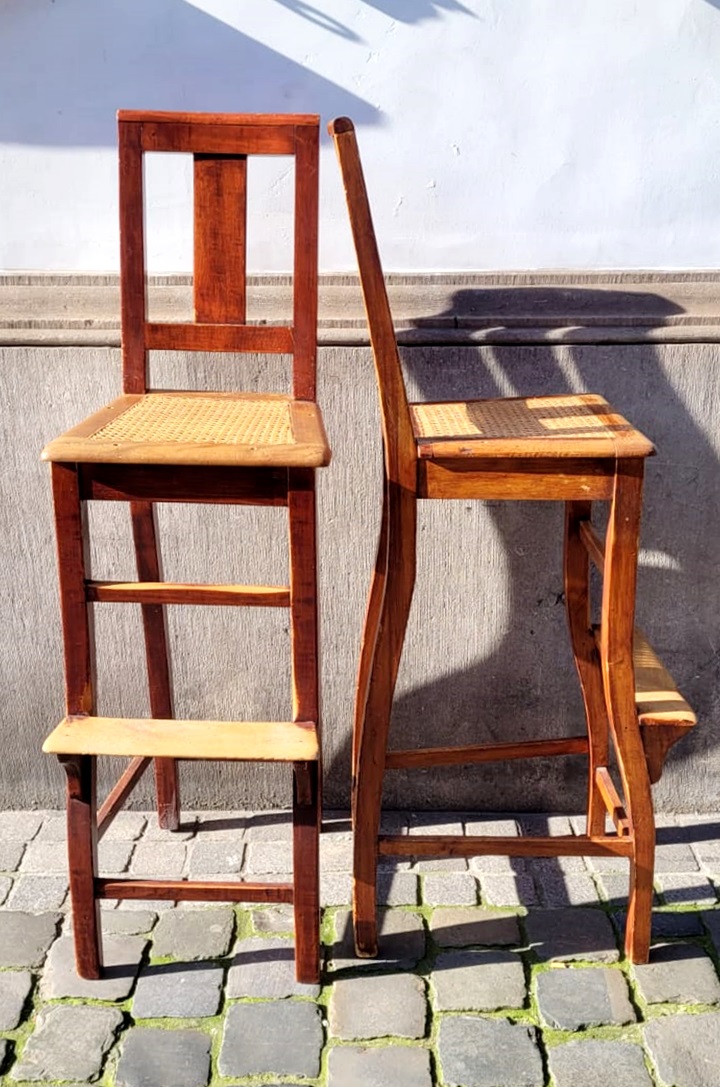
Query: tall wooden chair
point(232, 448)
point(573, 449)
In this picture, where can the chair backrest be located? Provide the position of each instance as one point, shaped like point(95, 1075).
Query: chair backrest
point(220, 145)
point(400, 455)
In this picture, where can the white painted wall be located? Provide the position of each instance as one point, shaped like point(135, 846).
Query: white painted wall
point(497, 134)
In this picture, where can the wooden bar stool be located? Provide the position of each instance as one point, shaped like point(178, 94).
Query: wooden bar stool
point(232, 448)
point(573, 449)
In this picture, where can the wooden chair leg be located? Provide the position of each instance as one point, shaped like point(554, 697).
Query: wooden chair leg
point(587, 660)
point(79, 647)
point(149, 568)
point(383, 669)
point(370, 633)
point(306, 869)
point(82, 862)
point(617, 622)
point(307, 789)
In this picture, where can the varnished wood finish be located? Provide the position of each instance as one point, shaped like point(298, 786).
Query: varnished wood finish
point(181, 890)
point(420, 757)
point(452, 845)
point(158, 592)
point(572, 448)
point(163, 483)
point(82, 841)
point(157, 657)
point(151, 446)
point(220, 238)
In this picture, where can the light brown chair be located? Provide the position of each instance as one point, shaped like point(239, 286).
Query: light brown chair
point(570, 448)
point(232, 448)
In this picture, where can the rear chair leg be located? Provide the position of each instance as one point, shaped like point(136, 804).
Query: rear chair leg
point(149, 568)
point(307, 780)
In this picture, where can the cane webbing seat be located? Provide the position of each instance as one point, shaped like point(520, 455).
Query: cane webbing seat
point(150, 446)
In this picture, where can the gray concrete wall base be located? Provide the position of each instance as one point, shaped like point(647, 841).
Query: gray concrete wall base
point(487, 657)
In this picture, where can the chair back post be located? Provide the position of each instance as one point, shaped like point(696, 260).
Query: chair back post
point(400, 453)
point(220, 145)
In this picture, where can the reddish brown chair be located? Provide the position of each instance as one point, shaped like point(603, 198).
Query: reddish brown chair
point(231, 448)
point(574, 449)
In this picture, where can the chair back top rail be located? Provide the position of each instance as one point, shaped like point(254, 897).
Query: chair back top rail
point(400, 450)
point(220, 145)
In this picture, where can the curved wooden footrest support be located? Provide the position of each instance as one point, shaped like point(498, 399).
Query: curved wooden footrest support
point(269, 741)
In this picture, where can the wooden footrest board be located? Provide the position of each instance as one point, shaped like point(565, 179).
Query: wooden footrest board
point(657, 698)
point(270, 741)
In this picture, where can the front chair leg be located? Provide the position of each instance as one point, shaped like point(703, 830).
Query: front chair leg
point(401, 530)
point(82, 862)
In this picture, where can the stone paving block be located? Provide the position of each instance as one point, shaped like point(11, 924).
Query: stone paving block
point(213, 858)
point(677, 974)
point(570, 934)
point(675, 857)
point(68, 1043)
point(468, 926)
point(614, 887)
point(711, 921)
point(476, 1052)
point(54, 827)
point(25, 937)
point(274, 919)
point(121, 954)
point(5, 886)
point(161, 861)
point(336, 854)
point(335, 888)
point(4, 1051)
point(394, 822)
point(668, 923)
point(20, 826)
point(264, 857)
point(454, 889)
point(124, 922)
point(573, 889)
point(684, 1049)
point(38, 893)
point(160, 1058)
point(515, 890)
point(157, 905)
point(388, 1066)
point(15, 988)
point(681, 890)
point(576, 998)
point(391, 1005)
point(397, 888)
point(127, 826)
point(264, 966)
point(550, 868)
point(45, 859)
point(10, 854)
point(441, 864)
point(498, 866)
point(282, 1038)
point(401, 942)
point(478, 981)
point(588, 1063)
point(269, 826)
point(114, 857)
point(435, 822)
point(491, 827)
point(543, 825)
point(220, 826)
point(172, 991)
point(194, 934)
point(155, 833)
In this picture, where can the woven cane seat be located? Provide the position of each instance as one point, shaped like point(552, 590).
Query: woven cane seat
point(543, 426)
point(198, 428)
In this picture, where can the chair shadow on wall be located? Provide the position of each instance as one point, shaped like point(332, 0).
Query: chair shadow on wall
point(528, 669)
point(69, 66)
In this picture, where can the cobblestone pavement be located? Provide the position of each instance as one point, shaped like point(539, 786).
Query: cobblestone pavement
point(492, 972)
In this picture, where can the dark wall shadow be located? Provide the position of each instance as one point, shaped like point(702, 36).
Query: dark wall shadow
point(65, 68)
point(406, 11)
point(526, 687)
